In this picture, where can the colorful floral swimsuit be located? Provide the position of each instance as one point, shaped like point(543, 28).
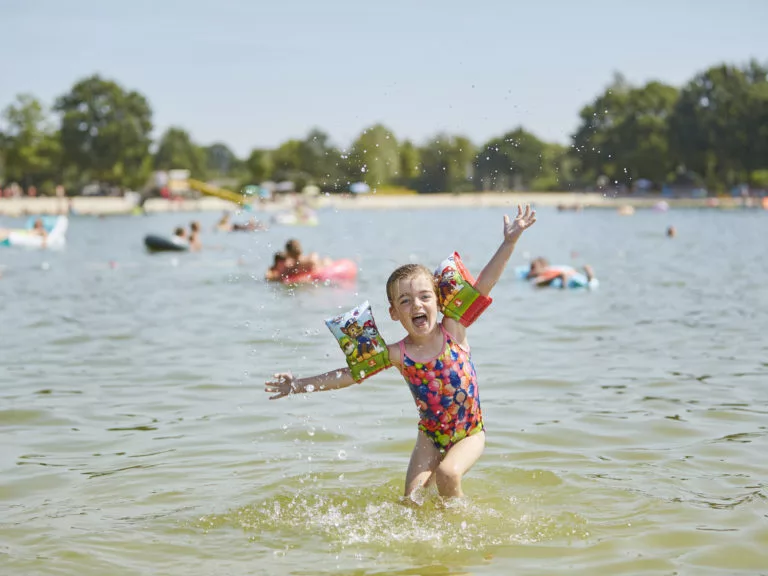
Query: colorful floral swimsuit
point(446, 394)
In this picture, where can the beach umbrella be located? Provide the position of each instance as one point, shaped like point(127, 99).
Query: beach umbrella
point(644, 184)
point(359, 188)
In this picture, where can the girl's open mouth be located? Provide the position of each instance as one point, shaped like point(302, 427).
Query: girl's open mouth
point(420, 321)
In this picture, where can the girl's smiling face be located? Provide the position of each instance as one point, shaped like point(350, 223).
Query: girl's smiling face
point(415, 304)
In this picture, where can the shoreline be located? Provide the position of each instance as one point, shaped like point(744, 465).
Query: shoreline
point(108, 206)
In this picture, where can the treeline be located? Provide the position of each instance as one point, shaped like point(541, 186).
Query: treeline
point(712, 132)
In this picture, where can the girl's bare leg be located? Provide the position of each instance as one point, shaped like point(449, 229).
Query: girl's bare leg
point(457, 462)
point(424, 460)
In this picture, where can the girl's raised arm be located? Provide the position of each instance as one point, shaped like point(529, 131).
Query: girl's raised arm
point(512, 231)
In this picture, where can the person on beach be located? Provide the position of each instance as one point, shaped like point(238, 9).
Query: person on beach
point(436, 362)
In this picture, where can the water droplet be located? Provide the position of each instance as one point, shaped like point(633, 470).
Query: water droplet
point(342, 454)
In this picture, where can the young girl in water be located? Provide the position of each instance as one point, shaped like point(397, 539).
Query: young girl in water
point(435, 360)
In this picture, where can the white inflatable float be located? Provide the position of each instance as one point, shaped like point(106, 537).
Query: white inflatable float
point(295, 219)
point(27, 238)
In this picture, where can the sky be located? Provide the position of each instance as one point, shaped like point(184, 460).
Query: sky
point(254, 73)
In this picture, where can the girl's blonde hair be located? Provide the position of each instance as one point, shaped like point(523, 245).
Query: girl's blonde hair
point(404, 272)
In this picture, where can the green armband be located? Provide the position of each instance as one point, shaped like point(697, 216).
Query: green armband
point(458, 297)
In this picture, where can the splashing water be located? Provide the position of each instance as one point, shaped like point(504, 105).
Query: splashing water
point(377, 517)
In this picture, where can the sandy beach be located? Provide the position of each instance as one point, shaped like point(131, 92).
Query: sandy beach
point(105, 206)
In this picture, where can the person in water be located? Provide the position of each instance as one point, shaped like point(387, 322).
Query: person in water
point(541, 273)
point(251, 226)
point(180, 237)
point(194, 236)
point(435, 360)
point(298, 262)
point(279, 266)
point(38, 229)
point(224, 225)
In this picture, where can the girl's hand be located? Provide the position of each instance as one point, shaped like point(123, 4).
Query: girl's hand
point(281, 385)
point(524, 220)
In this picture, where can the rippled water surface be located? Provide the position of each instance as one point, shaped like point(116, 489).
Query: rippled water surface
point(626, 426)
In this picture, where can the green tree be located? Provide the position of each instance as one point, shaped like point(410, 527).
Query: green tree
point(718, 127)
point(515, 160)
point(259, 166)
point(105, 131)
point(595, 140)
point(410, 164)
point(374, 157)
point(559, 170)
point(447, 164)
point(176, 150)
point(288, 164)
point(221, 161)
point(30, 145)
point(321, 160)
point(642, 133)
point(624, 135)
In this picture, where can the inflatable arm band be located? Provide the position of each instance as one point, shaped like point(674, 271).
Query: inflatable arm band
point(458, 297)
point(360, 341)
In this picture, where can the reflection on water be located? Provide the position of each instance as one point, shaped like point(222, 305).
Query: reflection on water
point(626, 426)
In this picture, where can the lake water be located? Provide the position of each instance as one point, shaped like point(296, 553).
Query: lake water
point(627, 427)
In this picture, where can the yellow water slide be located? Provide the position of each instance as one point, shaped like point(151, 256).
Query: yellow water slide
point(222, 193)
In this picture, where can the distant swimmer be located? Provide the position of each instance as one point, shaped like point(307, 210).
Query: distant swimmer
point(298, 262)
point(671, 232)
point(180, 234)
point(252, 225)
point(279, 267)
point(224, 225)
point(194, 236)
point(542, 274)
point(38, 229)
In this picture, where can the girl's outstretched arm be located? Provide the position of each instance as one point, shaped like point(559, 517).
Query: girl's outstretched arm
point(512, 231)
point(284, 383)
